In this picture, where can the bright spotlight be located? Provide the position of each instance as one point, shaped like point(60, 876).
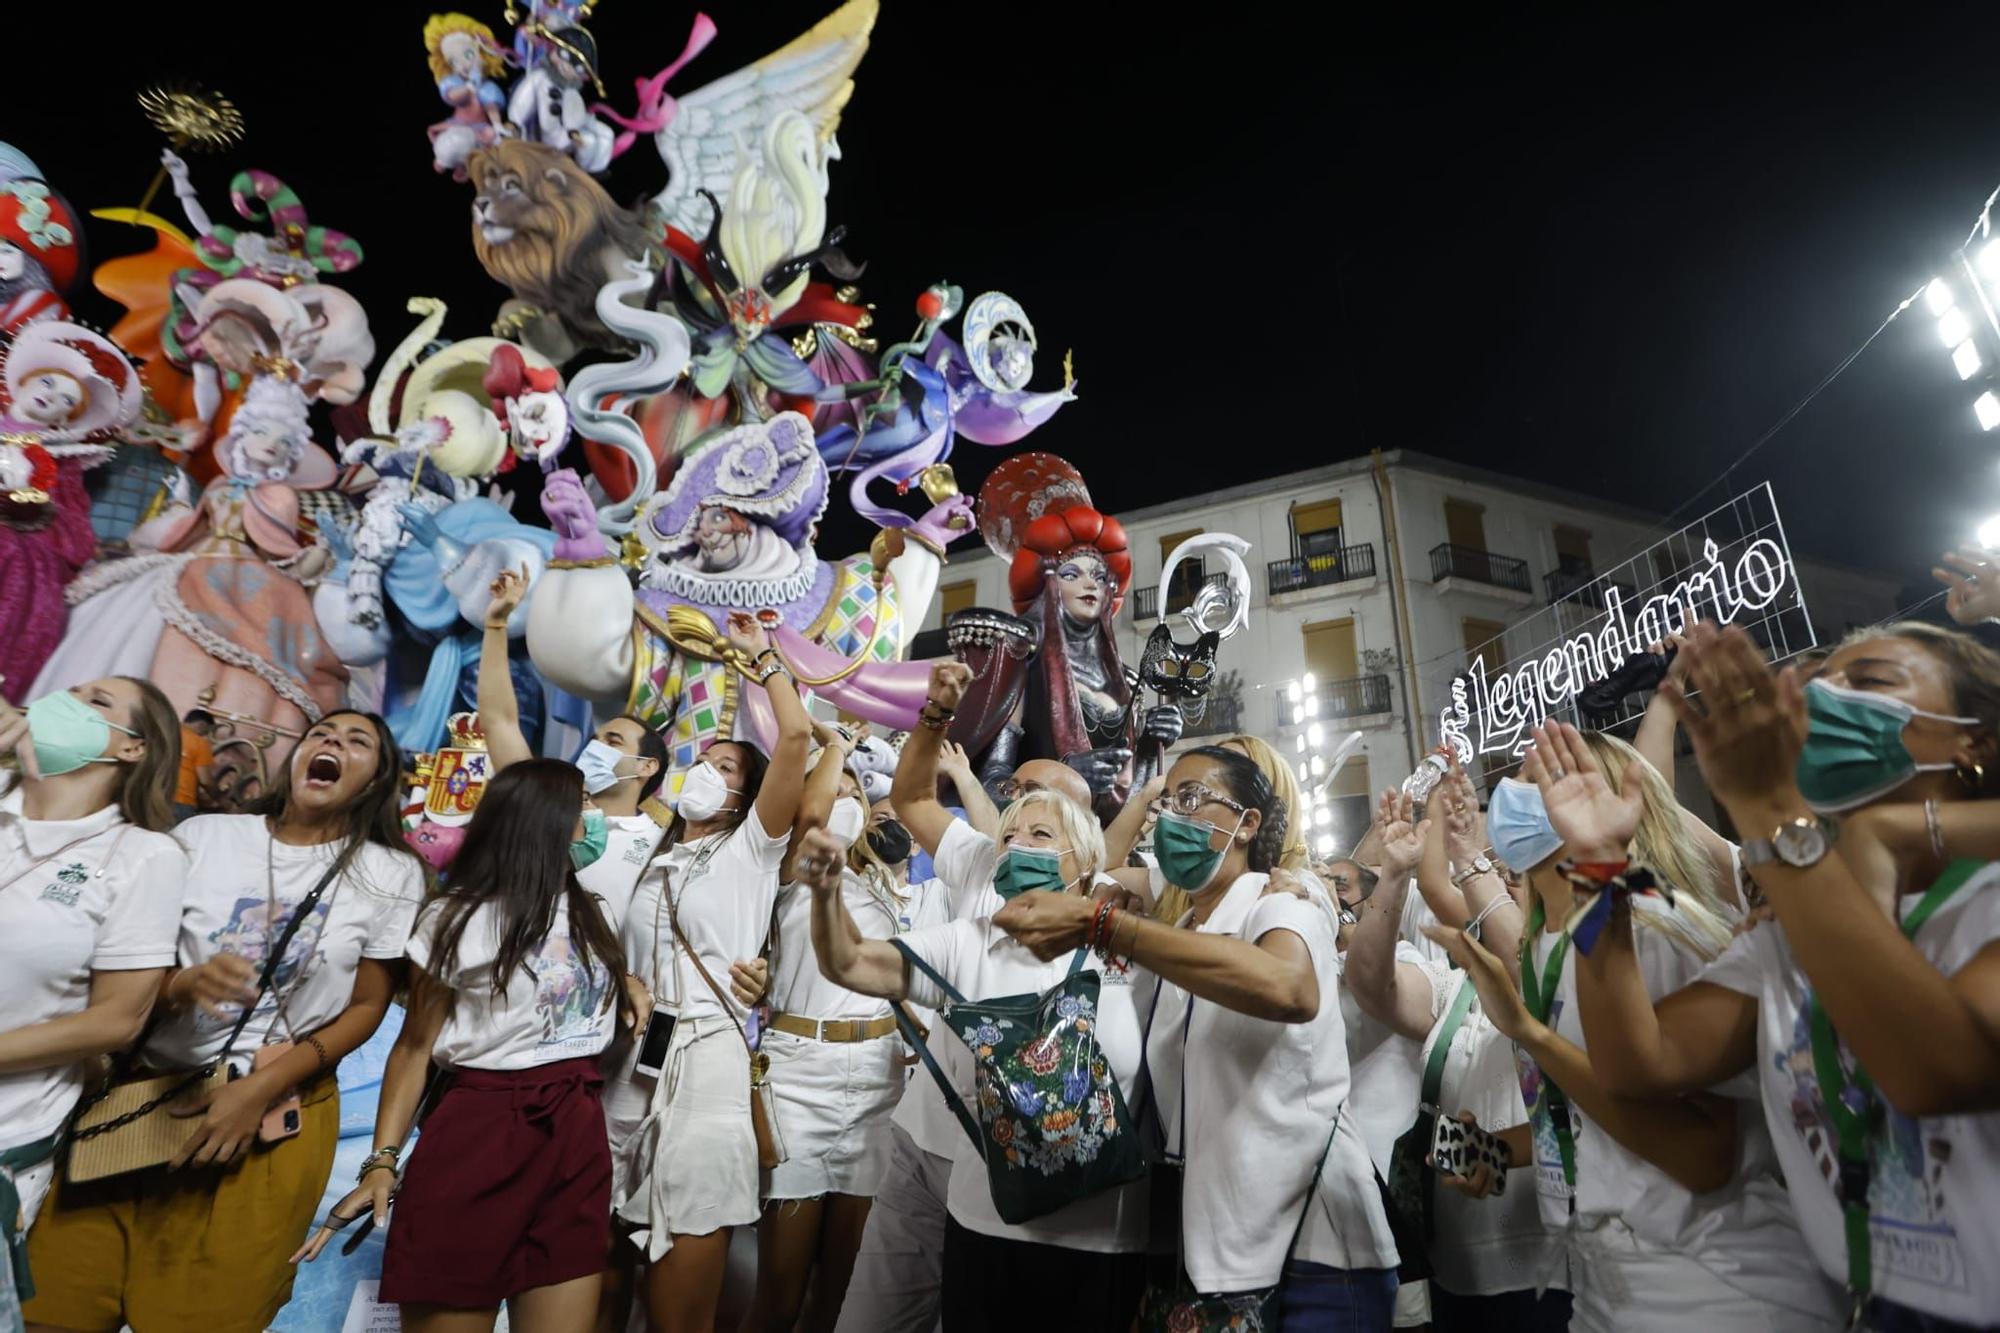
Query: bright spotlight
point(1323, 816)
point(1298, 715)
point(1315, 736)
point(1302, 742)
point(1292, 691)
point(1939, 297)
point(1965, 359)
point(1312, 705)
point(1954, 327)
point(1989, 532)
point(1319, 766)
point(1986, 407)
point(1308, 682)
point(1305, 771)
point(1989, 260)
point(1326, 844)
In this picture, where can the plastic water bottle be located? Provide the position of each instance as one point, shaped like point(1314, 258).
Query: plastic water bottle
point(1420, 784)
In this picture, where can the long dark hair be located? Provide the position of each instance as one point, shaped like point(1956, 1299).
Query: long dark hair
point(516, 857)
point(374, 817)
point(1245, 783)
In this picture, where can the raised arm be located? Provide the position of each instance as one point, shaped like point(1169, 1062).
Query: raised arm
point(980, 812)
point(499, 709)
point(1390, 992)
point(1487, 900)
point(846, 958)
point(821, 790)
point(914, 792)
point(1130, 826)
point(1875, 986)
point(1692, 1139)
point(784, 781)
point(1271, 979)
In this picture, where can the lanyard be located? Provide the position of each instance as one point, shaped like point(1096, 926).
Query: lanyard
point(1540, 1000)
point(1856, 1118)
point(660, 908)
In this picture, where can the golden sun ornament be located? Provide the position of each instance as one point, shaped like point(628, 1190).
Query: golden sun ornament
point(192, 117)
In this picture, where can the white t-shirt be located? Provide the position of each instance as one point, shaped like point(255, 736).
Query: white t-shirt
point(76, 896)
point(1492, 1245)
point(1931, 1199)
point(982, 962)
point(1260, 1103)
point(1388, 1069)
point(725, 886)
point(797, 987)
point(366, 913)
point(628, 849)
point(922, 1113)
point(560, 1010)
point(1743, 1233)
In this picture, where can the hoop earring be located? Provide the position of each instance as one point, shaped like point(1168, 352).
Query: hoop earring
point(1977, 779)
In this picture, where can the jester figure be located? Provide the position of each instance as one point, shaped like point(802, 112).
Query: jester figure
point(733, 532)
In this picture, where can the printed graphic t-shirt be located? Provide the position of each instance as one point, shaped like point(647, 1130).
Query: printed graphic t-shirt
point(555, 1007)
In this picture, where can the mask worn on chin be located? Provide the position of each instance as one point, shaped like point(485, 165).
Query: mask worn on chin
point(68, 733)
point(890, 841)
point(1026, 869)
point(704, 791)
point(1181, 844)
point(845, 821)
point(1854, 750)
point(596, 836)
point(599, 763)
point(1517, 823)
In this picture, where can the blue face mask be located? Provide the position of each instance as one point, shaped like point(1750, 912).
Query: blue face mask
point(599, 763)
point(1518, 825)
point(1854, 750)
point(585, 851)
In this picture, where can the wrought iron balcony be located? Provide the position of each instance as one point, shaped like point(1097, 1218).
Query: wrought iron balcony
point(1358, 696)
point(1319, 570)
point(1464, 562)
point(1146, 601)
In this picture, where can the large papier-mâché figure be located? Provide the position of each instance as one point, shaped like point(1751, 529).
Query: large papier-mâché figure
point(733, 532)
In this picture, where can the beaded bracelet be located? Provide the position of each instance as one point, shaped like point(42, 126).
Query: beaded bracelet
point(1094, 937)
point(319, 1050)
point(935, 716)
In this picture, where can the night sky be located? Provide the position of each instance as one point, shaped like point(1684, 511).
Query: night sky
point(1606, 251)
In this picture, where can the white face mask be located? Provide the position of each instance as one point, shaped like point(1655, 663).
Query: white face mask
point(704, 792)
point(845, 821)
point(599, 763)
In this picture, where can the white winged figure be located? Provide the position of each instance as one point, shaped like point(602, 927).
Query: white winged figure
point(716, 125)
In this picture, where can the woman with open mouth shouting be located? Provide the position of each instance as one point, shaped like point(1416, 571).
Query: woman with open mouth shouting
point(320, 877)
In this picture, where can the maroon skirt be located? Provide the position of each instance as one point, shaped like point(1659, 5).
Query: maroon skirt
point(509, 1189)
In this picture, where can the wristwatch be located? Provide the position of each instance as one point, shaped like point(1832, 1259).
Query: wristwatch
point(1799, 843)
point(1480, 866)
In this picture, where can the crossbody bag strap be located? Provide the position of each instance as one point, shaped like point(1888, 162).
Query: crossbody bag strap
point(912, 1036)
point(1454, 1019)
point(277, 954)
point(674, 920)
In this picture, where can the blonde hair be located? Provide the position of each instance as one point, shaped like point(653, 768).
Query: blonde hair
point(442, 26)
point(1086, 838)
point(1292, 854)
point(1665, 845)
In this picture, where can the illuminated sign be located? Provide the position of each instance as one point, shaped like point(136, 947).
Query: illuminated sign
point(1732, 567)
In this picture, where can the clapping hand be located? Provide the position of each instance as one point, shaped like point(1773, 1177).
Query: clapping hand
point(1498, 996)
point(1751, 724)
point(1974, 582)
point(1595, 822)
point(1464, 827)
point(1402, 837)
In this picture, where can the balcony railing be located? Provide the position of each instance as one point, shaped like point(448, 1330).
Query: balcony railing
point(1585, 602)
point(1318, 570)
point(1358, 696)
point(1463, 562)
point(1561, 583)
point(1146, 601)
point(1222, 717)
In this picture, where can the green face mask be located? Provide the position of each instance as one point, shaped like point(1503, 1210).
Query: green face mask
point(1025, 869)
point(596, 836)
point(1181, 846)
point(68, 733)
point(1854, 750)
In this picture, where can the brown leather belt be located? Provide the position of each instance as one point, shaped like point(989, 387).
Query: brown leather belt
point(833, 1029)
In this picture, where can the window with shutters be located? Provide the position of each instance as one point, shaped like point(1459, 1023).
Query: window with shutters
point(1465, 524)
point(1316, 534)
point(960, 596)
point(1572, 550)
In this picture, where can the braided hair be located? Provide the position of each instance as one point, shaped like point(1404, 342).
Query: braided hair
point(1244, 782)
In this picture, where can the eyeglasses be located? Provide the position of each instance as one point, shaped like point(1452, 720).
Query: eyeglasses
point(1190, 797)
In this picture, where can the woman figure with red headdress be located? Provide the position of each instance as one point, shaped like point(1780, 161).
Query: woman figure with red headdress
point(1068, 699)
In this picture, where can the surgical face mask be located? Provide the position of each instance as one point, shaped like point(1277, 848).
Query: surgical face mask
point(599, 763)
point(1024, 869)
point(890, 841)
point(1518, 825)
point(1181, 845)
point(704, 792)
point(69, 733)
point(1854, 750)
point(596, 834)
point(845, 821)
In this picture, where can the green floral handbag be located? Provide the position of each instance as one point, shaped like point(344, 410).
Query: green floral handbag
point(1052, 1123)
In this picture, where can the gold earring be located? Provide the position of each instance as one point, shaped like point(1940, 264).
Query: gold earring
point(1976, 781)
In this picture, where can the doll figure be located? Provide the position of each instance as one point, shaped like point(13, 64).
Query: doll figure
point(38, 254)
point(548, 107)
point(213, 607)
point(66, 387)
point(465, 60)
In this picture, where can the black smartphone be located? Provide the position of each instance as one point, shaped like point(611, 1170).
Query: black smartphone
point(653, 1045)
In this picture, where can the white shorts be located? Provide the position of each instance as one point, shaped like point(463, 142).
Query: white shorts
point(834, 1100)
point(692, 1160)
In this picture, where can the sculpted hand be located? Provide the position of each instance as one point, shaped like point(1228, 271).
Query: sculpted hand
point(1100, 767)
point(1164, 724)
point(568, 505)
point(945, 523)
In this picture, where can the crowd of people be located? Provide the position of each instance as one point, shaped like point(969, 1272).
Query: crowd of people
point(1561, 1053)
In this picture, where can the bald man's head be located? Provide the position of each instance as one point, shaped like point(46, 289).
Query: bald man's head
point(1051, 775)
